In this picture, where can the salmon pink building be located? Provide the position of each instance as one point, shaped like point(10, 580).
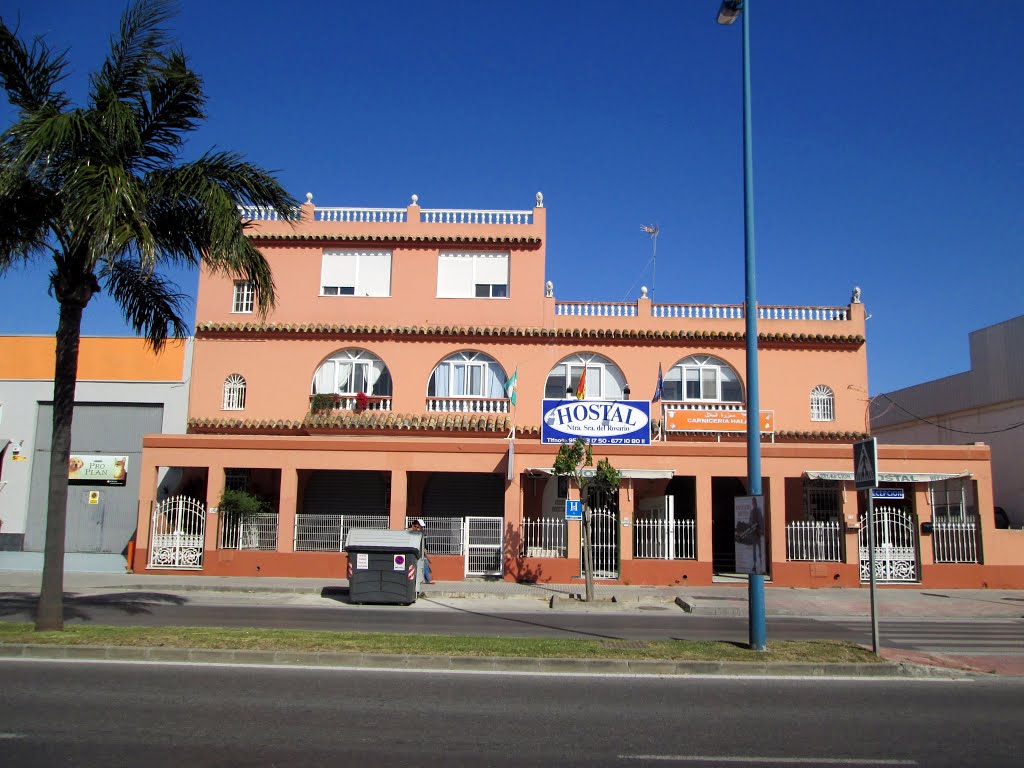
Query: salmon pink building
point(412, 366)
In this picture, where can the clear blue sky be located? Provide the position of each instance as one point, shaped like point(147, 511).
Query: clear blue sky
point(888, 148)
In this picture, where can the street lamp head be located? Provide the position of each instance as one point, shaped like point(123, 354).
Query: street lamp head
point(729, 11)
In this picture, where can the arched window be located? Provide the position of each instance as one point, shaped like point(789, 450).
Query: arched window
point(351, 371)
point(467, 374)
point(823, 404)
point(703, 378)
point(604, 379)
point(234, 393)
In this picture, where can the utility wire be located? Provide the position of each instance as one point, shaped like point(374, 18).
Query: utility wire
point(951, 429)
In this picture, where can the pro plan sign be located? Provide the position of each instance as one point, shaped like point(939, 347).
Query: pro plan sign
point(601, 422)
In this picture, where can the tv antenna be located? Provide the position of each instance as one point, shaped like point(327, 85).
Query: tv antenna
point(653, 230)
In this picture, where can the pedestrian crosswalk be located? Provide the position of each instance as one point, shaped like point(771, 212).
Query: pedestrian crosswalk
point(974, 636)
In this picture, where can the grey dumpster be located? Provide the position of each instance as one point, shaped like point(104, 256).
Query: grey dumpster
point(383, 566)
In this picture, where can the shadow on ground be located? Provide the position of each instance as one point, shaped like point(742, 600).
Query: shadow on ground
point(76, 606)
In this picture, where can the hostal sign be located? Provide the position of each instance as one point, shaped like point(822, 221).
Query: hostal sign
point(601, 422)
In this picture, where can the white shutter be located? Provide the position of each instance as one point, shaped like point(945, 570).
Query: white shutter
point(374, 274)
point(492, 268)
point(455, 276)
point(339, 268)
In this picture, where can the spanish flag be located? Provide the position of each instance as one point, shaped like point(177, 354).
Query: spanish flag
point(581, 388)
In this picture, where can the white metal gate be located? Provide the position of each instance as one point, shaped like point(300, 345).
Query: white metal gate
point(895, 546)
point(484, 547)
point(177, 533)
point(604, 531)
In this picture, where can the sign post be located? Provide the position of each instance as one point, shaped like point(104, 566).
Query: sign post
point(865, 475)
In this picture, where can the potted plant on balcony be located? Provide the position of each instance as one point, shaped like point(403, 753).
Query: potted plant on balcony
point(321, 403)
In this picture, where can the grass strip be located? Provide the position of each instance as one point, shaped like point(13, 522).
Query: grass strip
point(817, 651)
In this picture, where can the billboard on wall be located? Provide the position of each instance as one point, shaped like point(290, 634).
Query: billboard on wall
point(601, 422)
point(88, 469)
point(714, 420)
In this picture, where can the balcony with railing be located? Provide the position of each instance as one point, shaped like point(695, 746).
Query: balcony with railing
point(336, 402)
point(467, 405)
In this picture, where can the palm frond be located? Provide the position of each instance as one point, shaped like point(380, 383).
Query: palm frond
point(173, 106)
point(30, 74)
point(152, 306)
point(134, 52)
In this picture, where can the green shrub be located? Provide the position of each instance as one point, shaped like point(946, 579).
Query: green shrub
point(321, 403)
point(241, 504)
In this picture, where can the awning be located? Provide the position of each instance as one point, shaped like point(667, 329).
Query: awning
point(635, 474)
point(888, 477)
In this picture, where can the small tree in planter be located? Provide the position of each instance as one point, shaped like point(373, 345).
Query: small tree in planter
point(240, 508)
point(571, 460)
point(321, 402)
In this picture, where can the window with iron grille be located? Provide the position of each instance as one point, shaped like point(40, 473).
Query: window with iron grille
point(236, 479)
point(244, 294)
point(822, 404)
point(234, 393)
point(949, 499)
point(823, 500)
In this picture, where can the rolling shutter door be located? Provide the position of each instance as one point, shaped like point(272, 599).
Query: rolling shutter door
point(456, 494)
point(341, 492)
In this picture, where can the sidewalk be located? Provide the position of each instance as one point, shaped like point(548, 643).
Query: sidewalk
point(722, 600)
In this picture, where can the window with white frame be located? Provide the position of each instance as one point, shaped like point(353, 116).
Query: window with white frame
point(604, 380)
point(234, 393)
point(243, 298)
point(467, 374)
point(472, 274)
point(949, 498)
point(350, 372)
point(823, 405)
point(702, 378)
point(352, 272)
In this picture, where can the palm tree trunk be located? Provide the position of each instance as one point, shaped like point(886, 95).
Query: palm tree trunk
point(50, 613)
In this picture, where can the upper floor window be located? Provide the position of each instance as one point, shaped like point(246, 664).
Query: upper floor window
point(603, 379)
point(355, 273)
point(350, 372)
point(234, 393)
point(469, 274)
point(243, 300)
point(823, 404)
point(703, 378)
point(467, 374)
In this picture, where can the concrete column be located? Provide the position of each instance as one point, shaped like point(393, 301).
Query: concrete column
point(399, 499)
point(924, 515)
point(776, 498)
point(627, 511)
point(286, 509)
point(851, 518)
point(214, 490)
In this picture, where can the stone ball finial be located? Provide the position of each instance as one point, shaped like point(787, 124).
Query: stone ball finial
point(540, 200)
point(415, 199)
point(549, 289)
point(643, 291)
point(855, 298)
point(309, 197)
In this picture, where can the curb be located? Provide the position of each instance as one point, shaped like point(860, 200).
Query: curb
point(566, 666)
point(705, 607)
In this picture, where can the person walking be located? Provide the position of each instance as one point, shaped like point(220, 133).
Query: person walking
point(419, 526)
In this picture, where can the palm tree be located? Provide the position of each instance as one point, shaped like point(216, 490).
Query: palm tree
point(100, 189)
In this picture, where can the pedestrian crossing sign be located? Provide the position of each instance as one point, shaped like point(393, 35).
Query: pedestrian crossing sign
point(865, 464)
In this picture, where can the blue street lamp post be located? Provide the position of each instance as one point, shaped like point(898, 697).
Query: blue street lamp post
point(727, 14)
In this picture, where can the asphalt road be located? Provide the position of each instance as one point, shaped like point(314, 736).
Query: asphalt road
point(100, 714)
point(509, 618)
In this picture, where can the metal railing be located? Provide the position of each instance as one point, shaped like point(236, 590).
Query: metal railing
point(443, 535)
point(327, 533)
point(257, 531)
point(814, 540)
point(665, 539)
point(545, 537)
point(955, 541)
point(467, 405)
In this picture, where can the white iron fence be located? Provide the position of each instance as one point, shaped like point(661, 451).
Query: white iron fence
point(955, 541)
point(256, 531)
point(327, 533)
point(815, 540)
point(442, 535)
point(545, 537)
point(665, 539)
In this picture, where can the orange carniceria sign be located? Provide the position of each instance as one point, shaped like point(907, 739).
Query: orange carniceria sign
point(713, 420)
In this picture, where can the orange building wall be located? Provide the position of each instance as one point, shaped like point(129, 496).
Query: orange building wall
point(100, 359)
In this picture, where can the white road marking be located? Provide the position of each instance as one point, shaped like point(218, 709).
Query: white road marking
point(769, 760)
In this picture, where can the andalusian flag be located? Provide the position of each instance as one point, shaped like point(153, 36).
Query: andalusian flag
point(659, 388)
point(512, 385)
point(581, 388)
